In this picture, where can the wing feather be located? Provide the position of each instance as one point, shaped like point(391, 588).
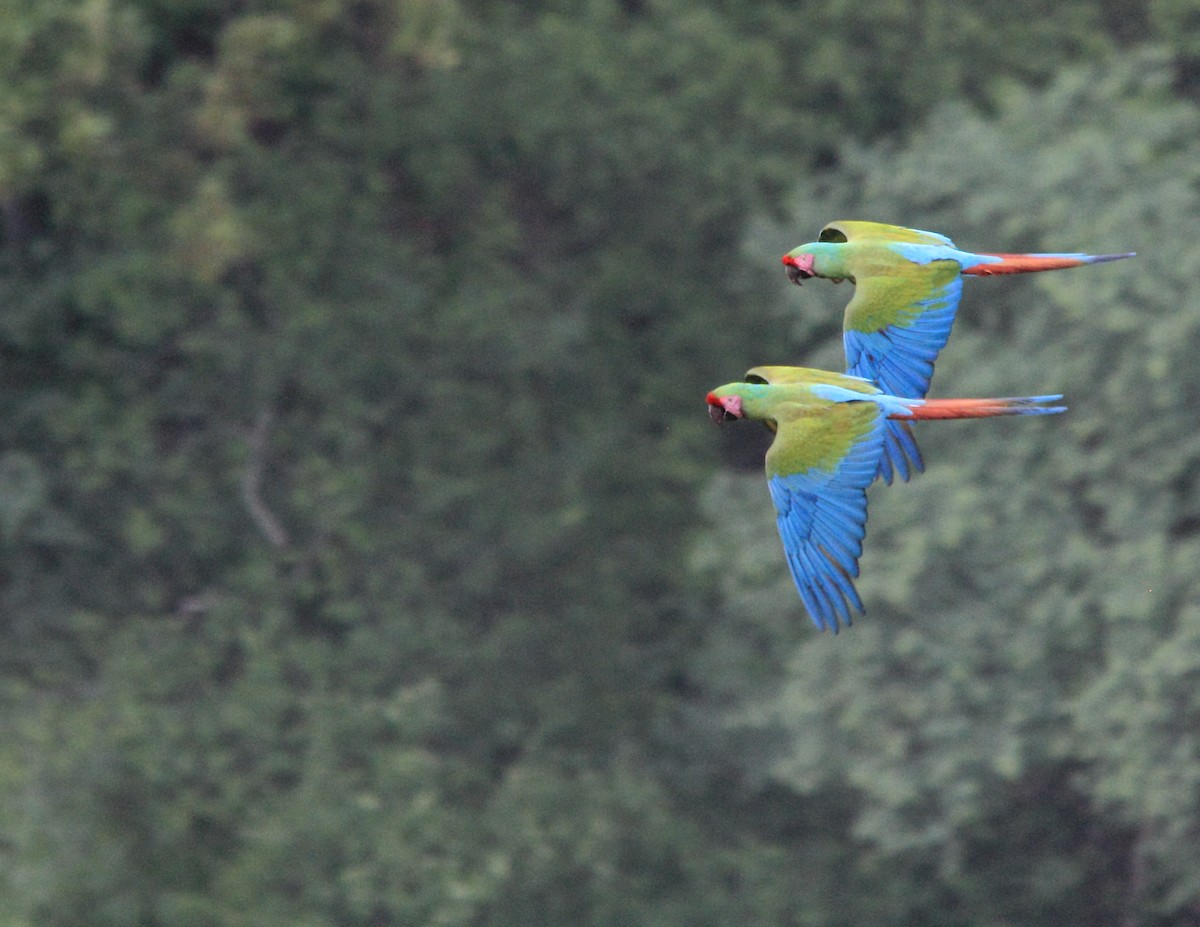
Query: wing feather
point(855, 230)
point(894, 330)
point(821, 508)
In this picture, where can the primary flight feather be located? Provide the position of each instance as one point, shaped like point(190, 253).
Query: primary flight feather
point(907, 288)
point(829, 441)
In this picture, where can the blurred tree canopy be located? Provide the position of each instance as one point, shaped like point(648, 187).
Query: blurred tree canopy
point(368, 559)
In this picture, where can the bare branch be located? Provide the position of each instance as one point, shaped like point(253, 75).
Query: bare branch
point(267, 523)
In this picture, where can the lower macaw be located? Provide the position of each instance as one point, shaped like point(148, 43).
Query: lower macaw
point(907, 288)
point(829, 439)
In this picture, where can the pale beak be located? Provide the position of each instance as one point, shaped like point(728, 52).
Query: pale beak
point(723, 409)
point(798, 268)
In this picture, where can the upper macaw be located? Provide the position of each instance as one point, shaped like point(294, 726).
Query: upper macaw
point(907, 286)
point(829, 439)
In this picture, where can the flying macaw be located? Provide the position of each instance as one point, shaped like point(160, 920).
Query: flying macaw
point(907, 287)
point(829, 439)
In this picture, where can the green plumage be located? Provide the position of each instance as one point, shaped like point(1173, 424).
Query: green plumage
point(829, 440)
point(817, 435)
point(813, 431)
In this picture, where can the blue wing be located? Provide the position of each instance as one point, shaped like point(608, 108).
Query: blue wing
point(822, 517)
point(895, 346)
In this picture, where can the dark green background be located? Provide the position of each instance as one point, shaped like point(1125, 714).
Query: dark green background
point(368, 557)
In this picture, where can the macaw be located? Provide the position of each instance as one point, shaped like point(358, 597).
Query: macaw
point(829, 439)
point(907, 287)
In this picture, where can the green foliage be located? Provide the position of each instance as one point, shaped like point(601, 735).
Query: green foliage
point(322, 579)
point(352, 471)
point(882, 65)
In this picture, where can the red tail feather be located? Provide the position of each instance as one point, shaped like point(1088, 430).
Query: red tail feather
point(981, 408)
point(1027, 263)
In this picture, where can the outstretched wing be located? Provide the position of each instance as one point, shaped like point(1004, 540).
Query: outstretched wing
point(777, 375)
point(818, 468)
point(856, 230)
point(895, 326)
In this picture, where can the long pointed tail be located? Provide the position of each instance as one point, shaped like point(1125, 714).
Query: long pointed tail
point(992, 264)
point(980, 408)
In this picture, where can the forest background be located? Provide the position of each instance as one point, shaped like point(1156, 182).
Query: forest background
point(369, 558)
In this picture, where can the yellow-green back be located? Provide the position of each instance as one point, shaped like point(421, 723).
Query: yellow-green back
point(856, 230)
point(777, 374)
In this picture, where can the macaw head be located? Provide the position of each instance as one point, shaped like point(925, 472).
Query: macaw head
point(750, 398)
point(724, 406)
point(798, 265)
point(816, 259)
